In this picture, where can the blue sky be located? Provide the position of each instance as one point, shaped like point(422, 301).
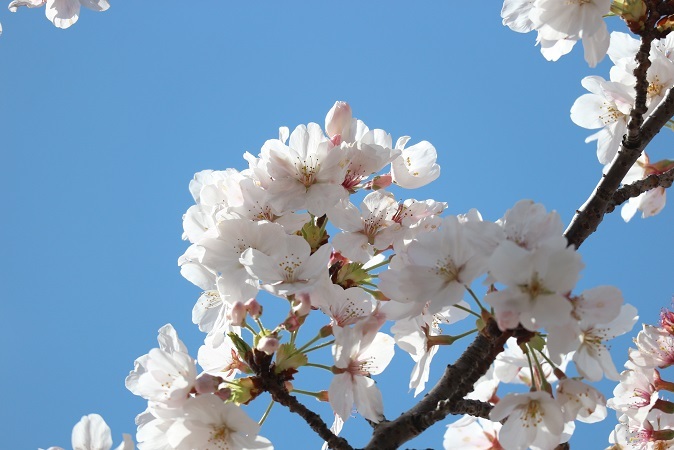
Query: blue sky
point(105, 123)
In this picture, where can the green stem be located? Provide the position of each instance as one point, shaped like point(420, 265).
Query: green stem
point(266, 413)
point(318, 395)
point(259, 324)
point(325, 344)
point(468, 310)
point(314, 339)
point(320, 366)
point(249, 328)
point(477, 300)
point(545, 386)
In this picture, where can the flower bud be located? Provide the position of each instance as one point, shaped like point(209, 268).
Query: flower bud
point(379, 182)
point(207, 383)
point(633, 12)
point(292, 323)
point(224, 394)
point(268, 344)
point(253, 308)
point(237, 315)
point(337, 121)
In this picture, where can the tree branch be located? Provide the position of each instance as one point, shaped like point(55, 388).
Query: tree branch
point(456, 382)
point(637, 188)
point(274, 384)
point(590, 215)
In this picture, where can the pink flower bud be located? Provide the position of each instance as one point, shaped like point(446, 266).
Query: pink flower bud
point(253, 308)
point(268, 344)
point(237, 315)
point(667, 320)
point(207, 384)
point(338, 120)
point(292, 323)
point(224, 394)
point(379, 182)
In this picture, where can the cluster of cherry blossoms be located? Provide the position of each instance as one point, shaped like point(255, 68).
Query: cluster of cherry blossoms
point(286, 227)
point(608, 105)
point(62, 13)
point(645, 419)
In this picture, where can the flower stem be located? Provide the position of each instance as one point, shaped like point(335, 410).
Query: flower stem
point(325, 344)
point(468, 310)
point(320, 366)
point(477, 300)
point(266, 413)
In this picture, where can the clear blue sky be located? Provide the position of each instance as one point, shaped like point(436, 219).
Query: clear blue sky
point(104, 125)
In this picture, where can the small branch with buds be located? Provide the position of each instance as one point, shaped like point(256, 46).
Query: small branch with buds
point(275, 384)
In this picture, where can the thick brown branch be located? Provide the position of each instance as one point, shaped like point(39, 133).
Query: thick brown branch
point(637, 188)
point(456, 382)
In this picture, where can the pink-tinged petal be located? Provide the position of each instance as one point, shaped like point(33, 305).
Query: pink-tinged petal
point(368, 399)
point(340, 394)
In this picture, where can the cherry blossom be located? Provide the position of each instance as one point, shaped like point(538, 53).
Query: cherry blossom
point(416, 165)
point(166, 374)
point(208, 423)
point(535, 419)
point(537, 281)
point(62, 13)
point(358, 355)
point(475, 435)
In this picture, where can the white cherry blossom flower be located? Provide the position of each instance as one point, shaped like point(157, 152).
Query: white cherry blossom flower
point(534, 420)
point(635, 394)
point(364, 233)
point(607, 107)
point(586, 339)
point(538, 282)
point(291, 269)
point(307, 173)
point(344, 306)
point(207, 423)
point(416, 166)
point(412, 335)
point(166, 374)
point(655, 348)
point(435, 267)
point(480, 434)
point(528, 224)
point(222, 255)
point(580, 401)
point(575, 19)
point(358, 355)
